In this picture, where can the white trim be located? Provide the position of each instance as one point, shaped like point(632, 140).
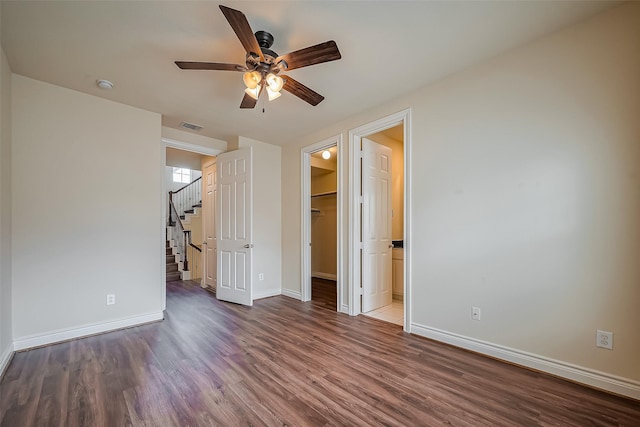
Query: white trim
point(186, 146)
point(355, 142)
point(267, 294)
point(5, 359)
point(292, 294)
point(59, 335)
point(163, 221)
point(305, 222)
point(327, 276)
point(593, 378)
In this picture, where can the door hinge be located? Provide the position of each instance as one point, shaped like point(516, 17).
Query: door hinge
point(361, 199)
point(361, 293)
point(361, 245)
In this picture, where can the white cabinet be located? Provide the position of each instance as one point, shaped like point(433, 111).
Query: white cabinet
point(397, 272)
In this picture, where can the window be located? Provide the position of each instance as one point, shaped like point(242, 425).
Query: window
point(182, 175)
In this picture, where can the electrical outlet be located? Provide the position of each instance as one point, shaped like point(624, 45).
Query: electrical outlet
point(475, 313)
point(111, 299)
point(604, 339)
point(260, 276)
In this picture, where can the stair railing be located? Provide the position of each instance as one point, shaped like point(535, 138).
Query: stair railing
point(186, 198)
point(182, 243)
point(180, 202)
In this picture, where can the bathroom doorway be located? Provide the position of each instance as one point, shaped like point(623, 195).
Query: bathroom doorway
point(391, 280)
point(364, 278)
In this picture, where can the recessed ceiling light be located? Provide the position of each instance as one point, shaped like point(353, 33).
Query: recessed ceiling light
point(104, 84)
point(326, 154)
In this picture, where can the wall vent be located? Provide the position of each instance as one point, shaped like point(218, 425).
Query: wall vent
point(191, 126)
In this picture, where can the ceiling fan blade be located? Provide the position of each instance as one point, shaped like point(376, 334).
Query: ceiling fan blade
point(301, 91)
point(248, 102)
point(243, 30)
point(188, 65)
point(323, 52)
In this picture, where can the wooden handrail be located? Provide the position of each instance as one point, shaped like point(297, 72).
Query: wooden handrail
point(182, 188)
point(195, 247)
point(173, 209)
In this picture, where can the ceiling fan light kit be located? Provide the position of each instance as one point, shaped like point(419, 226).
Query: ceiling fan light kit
point(253, 93)
point(263, 64)
point(251, 79)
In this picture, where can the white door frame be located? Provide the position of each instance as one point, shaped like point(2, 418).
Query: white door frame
point(205, 260)
point(355, 261)
point(185, 146)
point(305, 169)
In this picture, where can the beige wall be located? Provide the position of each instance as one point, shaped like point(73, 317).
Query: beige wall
point(324, 224)
point(324, 234)
point(79, 231)
point(397, 182)
point(267, 216)
point(324, 183)
point(525, 174)
point(6, 335)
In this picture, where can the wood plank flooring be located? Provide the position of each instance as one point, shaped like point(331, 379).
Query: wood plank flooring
point(324, 293)
point(283, 362)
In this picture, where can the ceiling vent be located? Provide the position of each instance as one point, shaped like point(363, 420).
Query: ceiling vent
point(191, 126)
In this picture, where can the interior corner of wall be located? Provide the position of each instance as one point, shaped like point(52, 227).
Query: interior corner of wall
point(233, 143)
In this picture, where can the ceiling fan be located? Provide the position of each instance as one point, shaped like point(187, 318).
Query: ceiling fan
point(263, 66)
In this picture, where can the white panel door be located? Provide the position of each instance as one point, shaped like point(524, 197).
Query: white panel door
point(233, 227)
point(376, 226)
point(209, 212)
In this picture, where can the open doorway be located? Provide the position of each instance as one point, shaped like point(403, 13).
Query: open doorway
point(324, 227)
point(189, 159)
point(321, 226)
point(183, 204)
point(371, 163)
point(390, 309)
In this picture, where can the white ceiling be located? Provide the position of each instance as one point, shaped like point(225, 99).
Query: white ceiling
point(388, 48)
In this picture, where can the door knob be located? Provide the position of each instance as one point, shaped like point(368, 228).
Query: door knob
point(204, 243)
point(390, 246)
point(248, 246)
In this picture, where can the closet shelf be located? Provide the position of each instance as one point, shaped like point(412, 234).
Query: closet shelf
point(314, 210)
point(327, 193)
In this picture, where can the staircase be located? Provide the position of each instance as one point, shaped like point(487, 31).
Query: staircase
point(172, 266)
point(184, 223)
point(191, 211)
point(190, 221)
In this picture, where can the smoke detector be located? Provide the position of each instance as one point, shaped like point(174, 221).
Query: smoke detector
point(104, 84)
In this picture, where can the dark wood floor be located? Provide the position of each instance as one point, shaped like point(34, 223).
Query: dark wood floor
point(324, 293)
point(283, 362)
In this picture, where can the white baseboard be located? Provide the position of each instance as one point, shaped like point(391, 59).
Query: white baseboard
point(5, 358)
point(327, 276)
point(292, 294)
point(344, 309)
point(593, 378)
point(267, 294)
point(38, 340)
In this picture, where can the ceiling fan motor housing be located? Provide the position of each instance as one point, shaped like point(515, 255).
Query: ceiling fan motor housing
point(265, 41)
